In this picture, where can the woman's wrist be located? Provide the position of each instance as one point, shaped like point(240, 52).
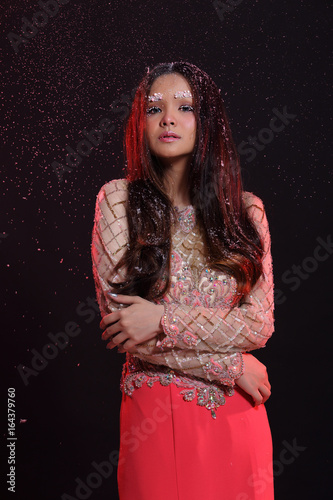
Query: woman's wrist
point(161, 312)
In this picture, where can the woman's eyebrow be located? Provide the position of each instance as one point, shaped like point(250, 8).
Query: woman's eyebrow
point(155, 97)
point(180, 94)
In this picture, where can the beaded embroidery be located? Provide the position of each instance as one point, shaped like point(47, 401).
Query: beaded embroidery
point(198, 305)
point(212, 367)
point(205, 287)
point(137, 372)
point(192, 286)
point(186, 218)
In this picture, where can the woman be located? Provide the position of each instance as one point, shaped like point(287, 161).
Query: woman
point(182, 265)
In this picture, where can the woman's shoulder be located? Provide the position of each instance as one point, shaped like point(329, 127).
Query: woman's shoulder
point(254, 206)
point(114, 190)
point(251, 200)
point(112, 198)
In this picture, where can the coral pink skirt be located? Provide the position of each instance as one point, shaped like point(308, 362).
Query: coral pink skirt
point(171, 449)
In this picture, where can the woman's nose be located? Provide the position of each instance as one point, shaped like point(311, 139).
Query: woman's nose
point(168, 119)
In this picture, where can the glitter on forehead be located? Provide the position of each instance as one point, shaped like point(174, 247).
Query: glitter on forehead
point(155, 97)
point(182, 93)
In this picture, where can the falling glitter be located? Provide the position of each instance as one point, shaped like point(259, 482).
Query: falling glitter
point(77, 74)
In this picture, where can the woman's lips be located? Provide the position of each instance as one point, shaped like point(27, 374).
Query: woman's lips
point(169, 137)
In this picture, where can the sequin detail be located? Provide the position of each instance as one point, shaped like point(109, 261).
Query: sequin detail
point(186, 218)
point(172, 333)
point(233, 371)
point(200, 285)
point(211, 334)
point(136, 373)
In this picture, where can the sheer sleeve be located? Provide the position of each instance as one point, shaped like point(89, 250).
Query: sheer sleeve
point(241, 328)
point(202, 342)
point(109, 240)
point(214, 338)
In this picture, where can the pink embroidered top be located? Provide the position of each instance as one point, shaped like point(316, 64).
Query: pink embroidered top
point(201, 347)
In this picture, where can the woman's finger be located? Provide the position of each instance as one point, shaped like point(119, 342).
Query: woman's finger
point(106, 335)
point(258, 399)
point(111, 330)
point(119, 338)
point(109, 319)
point(110, 345)
point(124, 299)
point(129, 344)
point(266, 393)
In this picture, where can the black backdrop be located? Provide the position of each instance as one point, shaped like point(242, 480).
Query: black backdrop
point(270, 59)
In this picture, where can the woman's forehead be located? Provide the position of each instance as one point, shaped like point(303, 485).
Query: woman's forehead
point(172, 83)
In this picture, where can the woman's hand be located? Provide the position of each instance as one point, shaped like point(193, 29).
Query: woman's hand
point(138, 322)
point(254, 380)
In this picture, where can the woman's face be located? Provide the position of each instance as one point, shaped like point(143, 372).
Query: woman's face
point(171, 122)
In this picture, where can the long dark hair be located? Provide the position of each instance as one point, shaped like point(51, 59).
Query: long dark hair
point(232, 243)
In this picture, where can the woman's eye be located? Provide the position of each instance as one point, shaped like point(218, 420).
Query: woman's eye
point(153, 110)
point(186, 107)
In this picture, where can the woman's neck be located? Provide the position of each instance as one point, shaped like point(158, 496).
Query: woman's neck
point(177, 184)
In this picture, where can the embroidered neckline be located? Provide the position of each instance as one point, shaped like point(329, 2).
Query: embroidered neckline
point(186, 218)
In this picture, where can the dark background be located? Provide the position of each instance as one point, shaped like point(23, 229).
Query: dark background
point(263, 55)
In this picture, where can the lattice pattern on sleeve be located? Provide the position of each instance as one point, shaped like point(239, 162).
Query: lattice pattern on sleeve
point(205, 342)
point(241, 328)
point(109, 239)
point(213, 338)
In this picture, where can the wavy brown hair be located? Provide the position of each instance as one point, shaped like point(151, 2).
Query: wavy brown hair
point(232, 243)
